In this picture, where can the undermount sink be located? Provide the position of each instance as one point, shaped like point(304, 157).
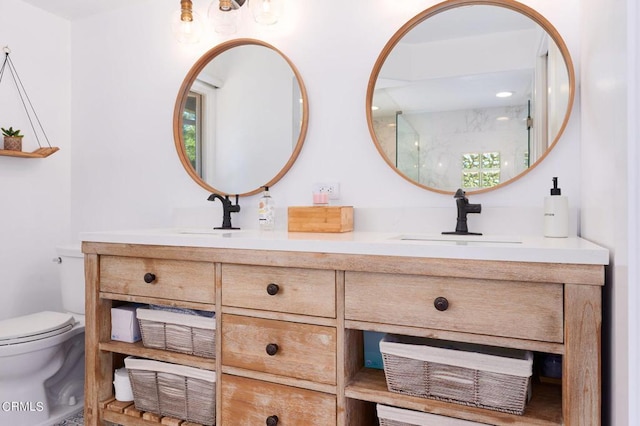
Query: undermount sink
point(224, 233)
point(485, 239)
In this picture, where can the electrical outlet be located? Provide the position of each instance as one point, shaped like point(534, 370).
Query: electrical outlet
point(333, 189)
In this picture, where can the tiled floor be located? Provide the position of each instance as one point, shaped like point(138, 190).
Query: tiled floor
point(75, 420)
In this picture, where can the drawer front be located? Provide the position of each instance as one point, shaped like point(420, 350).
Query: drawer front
point(291, 290)
point(296, 350)
point(252, 402)
point(502, 308)
point(171, 279)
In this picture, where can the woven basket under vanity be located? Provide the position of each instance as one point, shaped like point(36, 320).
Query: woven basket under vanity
point(394, 416)
point(480, 376)
point(178, 332)
point(186, 393)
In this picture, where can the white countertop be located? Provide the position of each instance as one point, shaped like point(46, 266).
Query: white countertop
point(503, 248)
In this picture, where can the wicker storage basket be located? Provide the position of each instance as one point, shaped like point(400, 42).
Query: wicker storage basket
point(480, 376)
point(172, 331)
point(173, 390)
point(393, 416)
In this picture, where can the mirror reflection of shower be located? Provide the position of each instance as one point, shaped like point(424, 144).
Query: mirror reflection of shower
point(434, 147)
point(407, 148)
point(471, 106)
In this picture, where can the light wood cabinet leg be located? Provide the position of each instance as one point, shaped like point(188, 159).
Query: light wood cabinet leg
point(581, 372)
point(98, 364)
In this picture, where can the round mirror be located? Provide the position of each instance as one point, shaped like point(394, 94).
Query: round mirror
point(470, 94)
point(240, 118)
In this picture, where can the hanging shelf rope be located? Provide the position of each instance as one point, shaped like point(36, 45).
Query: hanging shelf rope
point(41, 152)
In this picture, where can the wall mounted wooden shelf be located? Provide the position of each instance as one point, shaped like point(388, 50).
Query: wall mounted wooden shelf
point(31, 114)
point(38, 153)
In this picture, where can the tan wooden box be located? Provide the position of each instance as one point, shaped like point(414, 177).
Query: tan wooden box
point(321, 219)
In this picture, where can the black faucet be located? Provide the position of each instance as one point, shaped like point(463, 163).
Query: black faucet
point(227, 209)
point(462, 202)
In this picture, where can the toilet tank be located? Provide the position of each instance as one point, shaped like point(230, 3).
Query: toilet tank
point(71, 277)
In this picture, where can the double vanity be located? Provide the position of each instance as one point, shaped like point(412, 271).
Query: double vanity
point(292, 309)
point(310, 297)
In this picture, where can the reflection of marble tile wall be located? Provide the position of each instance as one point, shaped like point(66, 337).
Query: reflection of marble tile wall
point(408, 149)
point(445, 136)
point(385, 130)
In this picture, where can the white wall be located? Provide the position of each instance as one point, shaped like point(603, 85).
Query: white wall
point(125, 85)
point(34, 193)
point(633, 206)
point(606, 200)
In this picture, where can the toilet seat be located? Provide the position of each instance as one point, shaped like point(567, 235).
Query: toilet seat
point(38, 326)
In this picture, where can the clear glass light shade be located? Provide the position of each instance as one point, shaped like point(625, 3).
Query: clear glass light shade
point(224, 22)
point(266, 12)
point(187, 27)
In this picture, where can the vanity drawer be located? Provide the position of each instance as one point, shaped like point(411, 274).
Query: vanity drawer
point(168, 279)
point(302, 351)
point(252, 402)
point(291, 290)
point(522, 310)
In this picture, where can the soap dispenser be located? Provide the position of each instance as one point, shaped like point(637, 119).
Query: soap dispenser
point(266, 211)
point(556, 213)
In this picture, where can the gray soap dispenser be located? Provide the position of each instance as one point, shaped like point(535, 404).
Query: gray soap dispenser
point(556, 213)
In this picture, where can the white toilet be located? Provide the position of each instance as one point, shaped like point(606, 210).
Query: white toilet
point(42, 355)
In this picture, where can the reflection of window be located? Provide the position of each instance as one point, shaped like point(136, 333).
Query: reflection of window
point(192, 130)
point(480, 170)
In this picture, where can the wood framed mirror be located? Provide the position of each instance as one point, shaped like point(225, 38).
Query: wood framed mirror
point(240, 118)
point(433, 101)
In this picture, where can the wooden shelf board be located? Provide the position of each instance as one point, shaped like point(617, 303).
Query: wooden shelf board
point(544, 409)
point(282, 380)
point(38, 153)
point(126, 413)
point(481, 339)
point(157, 301)
point(138, 349)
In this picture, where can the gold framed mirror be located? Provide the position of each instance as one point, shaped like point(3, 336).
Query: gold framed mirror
point(432, 102)
point(240, 118)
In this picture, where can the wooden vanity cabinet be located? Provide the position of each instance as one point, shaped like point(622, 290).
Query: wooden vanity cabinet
point(289, 337)
point(278, 331)
point(545, 308)
point(253, 402)
point(117, 274)
point(301, 351)
point(518, 309)
point(309, 292)
point(179, 280)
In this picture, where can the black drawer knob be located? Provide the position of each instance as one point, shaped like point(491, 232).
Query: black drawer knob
point(149, 277)
point(272, 349)
point(273, 289)
point(272, 421)
point(441, 303)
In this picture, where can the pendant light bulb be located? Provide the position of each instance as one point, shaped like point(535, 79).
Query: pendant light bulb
point(187, 25)
point(266, 12)
point(224, 15)
point(225, 5)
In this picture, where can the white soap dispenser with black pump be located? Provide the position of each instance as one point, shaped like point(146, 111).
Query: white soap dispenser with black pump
point(556, 213)
point(266, 211)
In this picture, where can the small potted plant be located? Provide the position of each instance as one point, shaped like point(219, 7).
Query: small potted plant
point(12, 139)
